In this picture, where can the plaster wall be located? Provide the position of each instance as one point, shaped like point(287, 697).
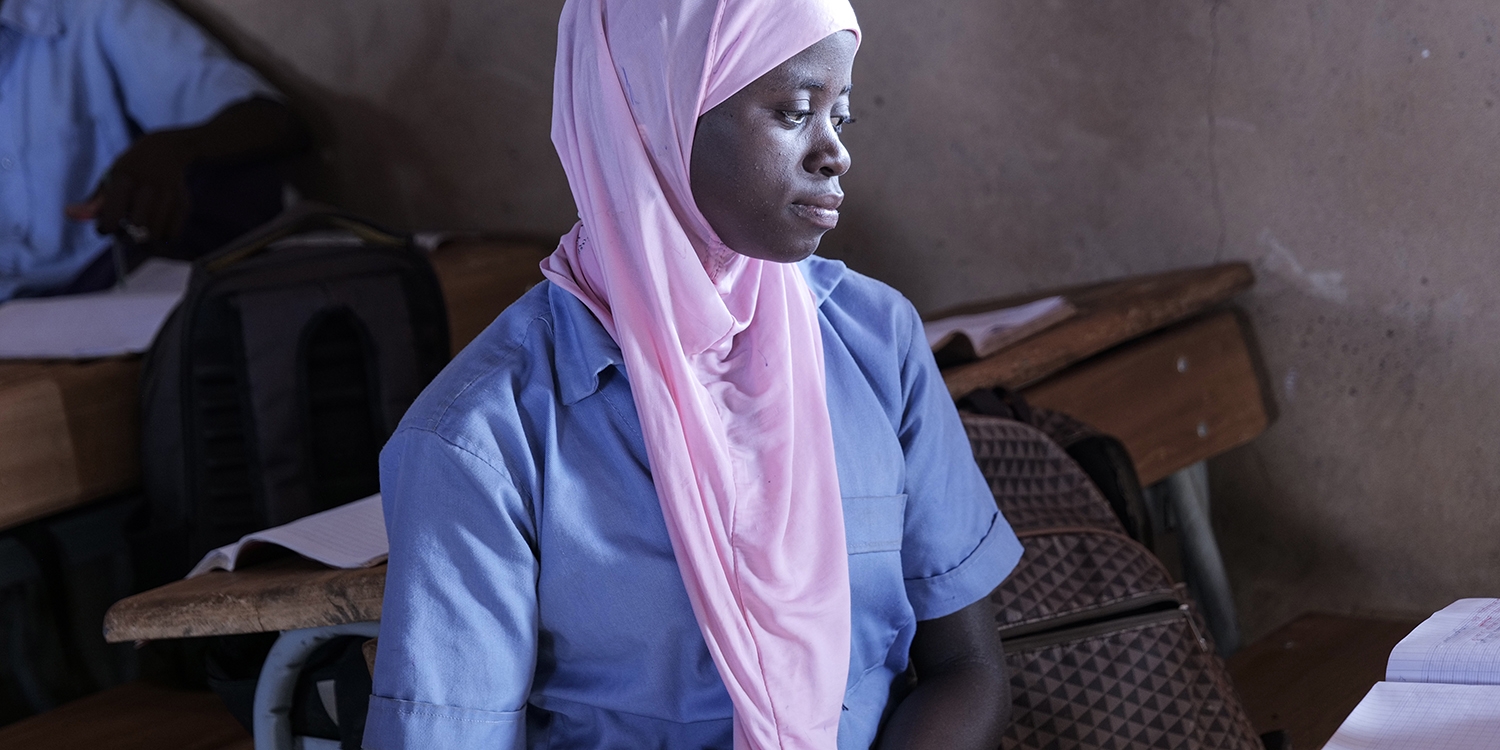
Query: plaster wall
point(1344, 147)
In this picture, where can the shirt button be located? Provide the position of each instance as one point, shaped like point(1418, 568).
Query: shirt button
point(7, 163)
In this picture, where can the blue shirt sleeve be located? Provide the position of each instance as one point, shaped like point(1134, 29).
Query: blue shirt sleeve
point(957, 546)
point(172, 74)
point(458, 633)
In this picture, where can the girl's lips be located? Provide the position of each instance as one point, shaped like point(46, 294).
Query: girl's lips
point(827, 218)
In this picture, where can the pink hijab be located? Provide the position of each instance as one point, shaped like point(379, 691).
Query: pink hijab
point(723, 352)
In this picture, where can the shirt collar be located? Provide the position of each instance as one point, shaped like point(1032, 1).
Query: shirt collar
point(585, 349)
point(822, 275)
point(35, 17)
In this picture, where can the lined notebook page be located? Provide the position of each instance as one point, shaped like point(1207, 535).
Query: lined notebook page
point(1431, 716)
point(349, 536)
point(1460, 644)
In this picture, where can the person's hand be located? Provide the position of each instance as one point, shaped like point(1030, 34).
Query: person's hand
point(143, 198)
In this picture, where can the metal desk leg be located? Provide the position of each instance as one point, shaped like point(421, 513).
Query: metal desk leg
point(1187, 495)
point(278, 678)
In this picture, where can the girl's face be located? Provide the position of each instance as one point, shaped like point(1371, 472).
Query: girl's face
point(766, 163)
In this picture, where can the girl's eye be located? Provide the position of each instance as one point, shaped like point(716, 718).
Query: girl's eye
point(796, 117)
point(839, 121)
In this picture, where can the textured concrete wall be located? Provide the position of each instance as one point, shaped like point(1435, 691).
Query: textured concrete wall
point(1342, 146)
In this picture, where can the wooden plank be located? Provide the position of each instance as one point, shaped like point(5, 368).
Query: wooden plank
point(103, 405)
point(1309, 674)
point(1108, 314)
point(38, 468)
point(133, 716)
point(481, 278)
point(1173, 398)
point(68, 434)
point(281, 595)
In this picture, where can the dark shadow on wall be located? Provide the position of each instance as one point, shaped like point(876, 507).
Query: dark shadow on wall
point(428, 155)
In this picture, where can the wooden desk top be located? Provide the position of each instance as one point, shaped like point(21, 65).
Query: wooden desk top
point(281, 595)
point(1109, 314)
point(297, 593)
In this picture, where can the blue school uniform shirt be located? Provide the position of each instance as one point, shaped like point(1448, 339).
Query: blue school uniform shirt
point(533, 599)
point(79, 80)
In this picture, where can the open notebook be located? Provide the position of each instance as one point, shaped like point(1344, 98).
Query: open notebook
point(1442, 688)
point(349, 536)
point(959, 338)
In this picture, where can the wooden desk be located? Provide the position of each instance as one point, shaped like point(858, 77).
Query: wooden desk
point(1144, 360)
point(1174, 397)
point(70, 431)
point(1109, 314)
point(68, 434)
point(298, 594)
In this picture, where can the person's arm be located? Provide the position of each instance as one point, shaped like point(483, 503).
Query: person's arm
point(196, 104)
point(962, 697)
point(458, 629)
point(144, 194)
point(956, 548)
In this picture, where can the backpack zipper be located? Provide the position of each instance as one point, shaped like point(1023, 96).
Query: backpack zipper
point(1160, 610)
point(1147, 601)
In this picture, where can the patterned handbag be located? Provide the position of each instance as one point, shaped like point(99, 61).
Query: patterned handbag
point(1104, 650)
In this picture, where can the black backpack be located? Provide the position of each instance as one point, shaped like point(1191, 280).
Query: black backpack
point(271, 389)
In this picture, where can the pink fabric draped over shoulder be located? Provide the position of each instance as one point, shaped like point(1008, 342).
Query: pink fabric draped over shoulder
point(723, 353)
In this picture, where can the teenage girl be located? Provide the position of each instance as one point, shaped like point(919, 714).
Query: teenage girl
point(702, 488)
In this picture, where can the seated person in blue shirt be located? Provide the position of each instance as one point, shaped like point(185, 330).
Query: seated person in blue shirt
point(701, 488)
point(108, 109)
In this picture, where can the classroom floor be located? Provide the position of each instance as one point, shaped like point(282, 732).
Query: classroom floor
point(1309, 674)
point(1304, 678)
point(134, 716)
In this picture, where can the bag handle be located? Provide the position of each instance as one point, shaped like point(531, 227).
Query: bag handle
point(305, 217)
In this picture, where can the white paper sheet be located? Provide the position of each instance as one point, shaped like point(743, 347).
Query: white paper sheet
point(1429, 716)
point(349, 536)
point(1459, 644)
point(99, 324)
point(991, 331)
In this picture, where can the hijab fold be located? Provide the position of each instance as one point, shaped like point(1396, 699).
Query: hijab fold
point(724, 352)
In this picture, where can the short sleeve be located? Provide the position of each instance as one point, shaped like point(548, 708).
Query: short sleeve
point(461, 581)
point(171, 73)
point(957, 546)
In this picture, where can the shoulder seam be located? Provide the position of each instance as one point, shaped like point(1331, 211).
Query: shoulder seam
point(509, 350)
point(466, 449)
